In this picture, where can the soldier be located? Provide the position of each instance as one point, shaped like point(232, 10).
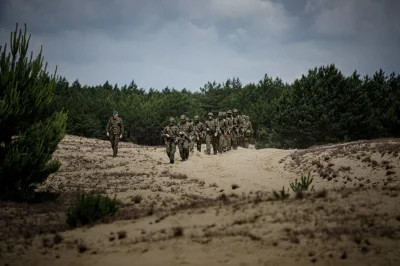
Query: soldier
point(235, 129)
point(185, 131)
point(241, 132)
point(115, 131)
point(248, 131)
point(230, 125)
point(222, 133)
point(200, 131)
point(171, 134)
point(212, 129)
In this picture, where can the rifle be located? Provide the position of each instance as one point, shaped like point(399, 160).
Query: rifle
point(169, 138)
point(207, 127)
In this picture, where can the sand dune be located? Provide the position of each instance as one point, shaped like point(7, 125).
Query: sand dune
point(216, 210)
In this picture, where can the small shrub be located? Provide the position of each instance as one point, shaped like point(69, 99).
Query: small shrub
point(89, 208)
point(282, 194)
point(121, 234)
point(303, 185)
point(137, 199)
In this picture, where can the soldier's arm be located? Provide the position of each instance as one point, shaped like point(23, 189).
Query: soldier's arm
point(122, 128)
point(108, 126)
point(217, 126)
point(203, 129)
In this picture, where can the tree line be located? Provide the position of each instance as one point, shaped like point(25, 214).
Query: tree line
point(323, 106)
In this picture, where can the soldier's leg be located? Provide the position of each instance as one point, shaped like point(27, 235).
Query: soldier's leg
point(246, 142)
point(168, 149)
point(111, 138)
point(220, 143)
point(225, 148)
point(186, 152)
point(229, 142)
point(172, 153)
point(115, 144)
point(199, 145)
point(215, 145)
point(181, 153)
point(192, 144)
point(208, 144)
point(234, 141)
point(116, 141)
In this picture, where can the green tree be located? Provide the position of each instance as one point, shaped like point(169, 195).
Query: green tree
point(27, 139)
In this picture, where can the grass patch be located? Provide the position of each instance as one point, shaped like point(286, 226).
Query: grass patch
point(89, 208)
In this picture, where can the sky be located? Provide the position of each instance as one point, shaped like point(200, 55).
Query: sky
point(187, 43)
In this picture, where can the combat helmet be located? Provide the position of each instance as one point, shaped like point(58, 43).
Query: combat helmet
point(171, 119)
point(224, 114)
point(229, 112)
point(210, 114)
point(196, 117)
point(219, 114)
point(235, 110)
point(183, 117)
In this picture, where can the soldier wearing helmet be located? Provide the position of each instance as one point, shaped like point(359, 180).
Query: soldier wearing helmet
point(185, 132)
point(212, 129)
point(115, 131)
point(171, 135)
point(247, 130)
point(200, 131)
point(222, 133)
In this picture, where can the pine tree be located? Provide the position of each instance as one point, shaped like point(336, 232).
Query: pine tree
point(27, 139)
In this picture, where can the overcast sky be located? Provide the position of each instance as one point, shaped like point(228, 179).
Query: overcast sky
point(186, 43)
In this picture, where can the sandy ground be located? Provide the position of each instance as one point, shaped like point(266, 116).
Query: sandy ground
point(215, 210)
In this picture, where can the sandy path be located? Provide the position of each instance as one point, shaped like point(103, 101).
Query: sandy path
point(350, 224)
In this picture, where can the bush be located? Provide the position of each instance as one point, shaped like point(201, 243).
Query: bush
point(28, 139)
point(89, 208)
point(303, 185)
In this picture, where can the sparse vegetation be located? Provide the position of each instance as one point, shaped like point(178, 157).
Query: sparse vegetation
point(282, 194)
point(137, 199)
point(234, 186)
point(303, 185)
point(178, 176)
point(89, 208)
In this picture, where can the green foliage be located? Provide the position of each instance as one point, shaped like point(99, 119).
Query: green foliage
point(282, 194)
point(303, 185)
point(89, 208)
point(28, 134)
point(323, 106)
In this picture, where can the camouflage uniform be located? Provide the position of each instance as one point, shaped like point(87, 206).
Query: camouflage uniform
point(229, 135)
point(186, 130)
point(192, 136)
point(211, 134)
point(171, 134)
point(199, 132)
point(221, 133)
point(235, 129)
point(115, 129)
point(241, 132)
point(248, 131)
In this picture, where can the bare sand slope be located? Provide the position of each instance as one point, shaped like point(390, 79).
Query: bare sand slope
point(216, 210)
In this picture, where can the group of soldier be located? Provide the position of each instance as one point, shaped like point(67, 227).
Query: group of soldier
point(228, 131)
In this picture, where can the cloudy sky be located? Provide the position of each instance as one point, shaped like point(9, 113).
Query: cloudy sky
point(186, 43)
